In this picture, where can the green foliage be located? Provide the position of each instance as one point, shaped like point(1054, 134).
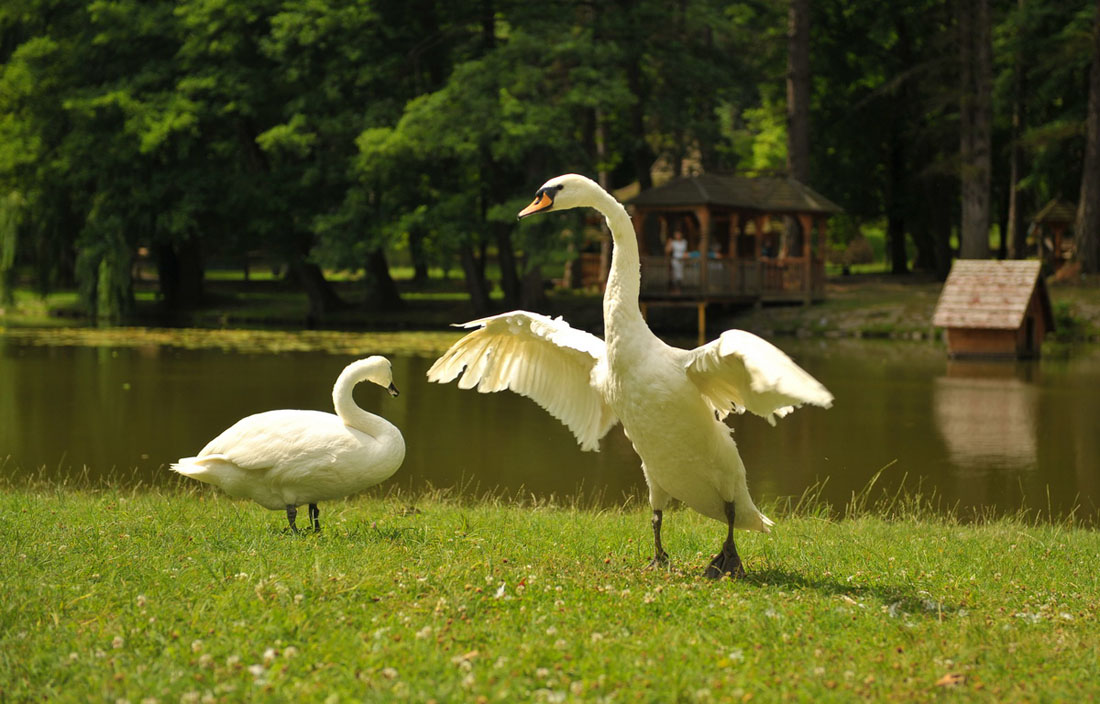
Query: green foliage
point(332, 130)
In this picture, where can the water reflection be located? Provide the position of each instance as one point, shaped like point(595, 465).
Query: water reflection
point(987, 413)
point(978, 435)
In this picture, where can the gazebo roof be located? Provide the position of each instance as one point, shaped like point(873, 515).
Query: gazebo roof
point(1056, 211)
point(991, 294)
point(763, 193)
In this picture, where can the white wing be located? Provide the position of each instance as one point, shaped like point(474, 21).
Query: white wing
point(538, 357)
point(739, 371)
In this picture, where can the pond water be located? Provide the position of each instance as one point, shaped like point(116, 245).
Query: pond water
point(999, 435)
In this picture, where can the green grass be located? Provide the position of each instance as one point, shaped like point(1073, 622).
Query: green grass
point(185, 595)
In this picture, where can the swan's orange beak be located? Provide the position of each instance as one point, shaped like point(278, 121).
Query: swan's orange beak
point(542, 202)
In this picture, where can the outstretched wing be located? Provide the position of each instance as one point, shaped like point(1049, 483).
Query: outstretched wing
point(742, 372)
point(538, 357)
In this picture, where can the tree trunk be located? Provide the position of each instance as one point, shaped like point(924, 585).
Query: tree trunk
point(1016, 229)
point(419, 257)
point(180, 275)
point(798, 90)
point(506, 258)
point(322, 299)
point(975, 126)
point(1087, 226)
point(382, 293)
point(533, 296)
point(475, 279)
point(895, 208)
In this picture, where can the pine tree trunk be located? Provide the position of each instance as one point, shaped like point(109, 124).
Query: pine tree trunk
point(975, 126)
point(1087, 227)
point(798, 90)
point(1016, 231)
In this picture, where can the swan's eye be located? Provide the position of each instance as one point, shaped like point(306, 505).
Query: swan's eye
point(559, 186)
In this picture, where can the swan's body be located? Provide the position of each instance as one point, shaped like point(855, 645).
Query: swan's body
point(283, 459)
point(670, 401)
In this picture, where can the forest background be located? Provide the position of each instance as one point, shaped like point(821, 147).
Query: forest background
point(333, 136)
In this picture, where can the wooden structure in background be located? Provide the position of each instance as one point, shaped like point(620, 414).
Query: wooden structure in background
point(994, 308)
point(750, 239)
point(1054, 234)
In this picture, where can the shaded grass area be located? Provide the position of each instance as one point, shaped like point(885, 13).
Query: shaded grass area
point(184, 595)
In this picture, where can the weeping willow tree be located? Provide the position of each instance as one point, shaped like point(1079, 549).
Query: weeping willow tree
point(103, 266)
point(11, 217)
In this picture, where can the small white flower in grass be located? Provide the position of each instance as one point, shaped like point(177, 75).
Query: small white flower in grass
point(298, 598)
point(269, 656)
point(500, 590)
point(257, 670)
point(736, 656)
point(597, 637)
point(118, 642)
point(141, 601)
point(468, 681)
point(560, 644)
point(559, 603)
point(233, 661)
point(73, 657)
point(1065, 616)
point(189, 698)
point(389, 673)
point(209, 698)
point(819, 671)
point(551, 631)
point(771, 613)
point(241, 575)
point(542, 673)
point(289, 652)
point(150, 700)
point(206, 660)
point(196, 646)
point(424, 632)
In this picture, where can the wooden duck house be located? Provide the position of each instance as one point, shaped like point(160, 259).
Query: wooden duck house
point(993, 308)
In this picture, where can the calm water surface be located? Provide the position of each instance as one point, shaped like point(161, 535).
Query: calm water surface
point(977, 434)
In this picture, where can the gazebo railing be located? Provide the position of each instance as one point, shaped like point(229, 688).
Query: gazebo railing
point(734, 278)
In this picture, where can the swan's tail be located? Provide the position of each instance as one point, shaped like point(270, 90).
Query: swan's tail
point(194, 467)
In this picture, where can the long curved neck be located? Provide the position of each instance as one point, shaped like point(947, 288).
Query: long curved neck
point(349, 411)
point(620, 298)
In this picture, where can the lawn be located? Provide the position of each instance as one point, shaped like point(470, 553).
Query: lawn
point(181, 594)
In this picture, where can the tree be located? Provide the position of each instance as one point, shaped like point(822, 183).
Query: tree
point(798, 90)
point(975, 126)
point(1087, 226)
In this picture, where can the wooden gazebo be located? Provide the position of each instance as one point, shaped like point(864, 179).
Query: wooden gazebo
point(1054, 233)
point(750, 240)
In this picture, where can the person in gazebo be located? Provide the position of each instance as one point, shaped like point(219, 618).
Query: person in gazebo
point(676, 248)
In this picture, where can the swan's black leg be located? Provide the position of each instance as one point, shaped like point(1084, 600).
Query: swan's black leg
point(660, 557)
point(727, 561)
point(292, 516)
point(314, 518)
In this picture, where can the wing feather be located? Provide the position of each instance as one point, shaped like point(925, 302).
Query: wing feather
point(741, 372)
point(541, 358)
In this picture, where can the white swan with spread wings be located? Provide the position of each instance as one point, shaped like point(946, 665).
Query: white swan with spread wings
point(670, 401)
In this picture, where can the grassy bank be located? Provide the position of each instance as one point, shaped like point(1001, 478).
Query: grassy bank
point(866, 305)
point(188, 596)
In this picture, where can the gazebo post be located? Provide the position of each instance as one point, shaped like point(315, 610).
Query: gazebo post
point(805, 221)
point(702, 214)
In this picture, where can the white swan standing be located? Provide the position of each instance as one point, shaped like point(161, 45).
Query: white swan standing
point(283, 459)
point(670, 401)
